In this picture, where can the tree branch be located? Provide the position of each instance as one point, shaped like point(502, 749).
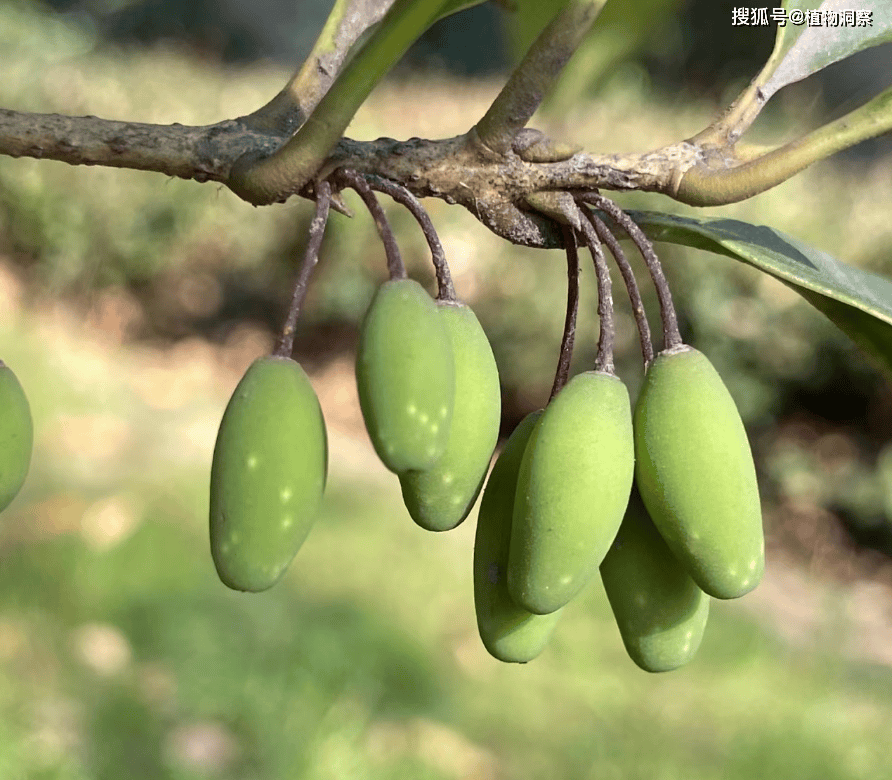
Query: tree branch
point(535, 75)
point(203, 153)
point(458, 170)
point(348, 20)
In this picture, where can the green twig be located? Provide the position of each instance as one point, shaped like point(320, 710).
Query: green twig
point(536, 74)
point(286, 172)
point(705, 186)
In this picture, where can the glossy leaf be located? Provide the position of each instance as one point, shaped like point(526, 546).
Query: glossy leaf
point(804, 49)
point(858, 302)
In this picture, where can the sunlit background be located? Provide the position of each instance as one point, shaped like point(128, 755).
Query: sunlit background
point(131, 304)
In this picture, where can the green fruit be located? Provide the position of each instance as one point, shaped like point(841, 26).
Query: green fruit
point(660, 611)
point(696, 475)
point(16, 436)
point(572, 492)
point(441, 497)
point(268, 474)
point(405, 375)
point(509, 632)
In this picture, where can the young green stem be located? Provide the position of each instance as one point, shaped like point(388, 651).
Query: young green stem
point(536, 74)
point(289, 109)
point(701, 186)
point(285, 344)
point(263, 181)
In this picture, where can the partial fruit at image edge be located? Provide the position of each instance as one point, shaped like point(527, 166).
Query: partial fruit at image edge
point(268, 474)
point(16, 436)
point(509, 632)
point(659, 610)
point(695, 472)
point(441, 497)
point(405, 377)
point(572, 491)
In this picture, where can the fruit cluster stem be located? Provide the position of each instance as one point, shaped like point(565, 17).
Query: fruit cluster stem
point(285, 344)
point(395, 265)
point(445, 289)
point(607, 336)
point(569, 337)
point(606, 237)
point(671, 334)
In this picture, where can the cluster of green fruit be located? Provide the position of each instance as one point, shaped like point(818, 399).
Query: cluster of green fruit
point(560, 502)
point(16, 436)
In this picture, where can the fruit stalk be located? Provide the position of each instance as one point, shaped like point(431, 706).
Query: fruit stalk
point(606, 237)
point(445, 290)
point(607, 336)
point(395, 266)
point(285, 344)
point(671, 334)
point(563, 367)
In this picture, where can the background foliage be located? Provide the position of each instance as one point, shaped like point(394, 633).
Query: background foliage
point(134, 304)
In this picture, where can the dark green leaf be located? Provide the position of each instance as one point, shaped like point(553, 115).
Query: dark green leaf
point(858, 302)
point(802, 50)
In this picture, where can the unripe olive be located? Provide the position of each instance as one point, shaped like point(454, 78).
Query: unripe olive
point(440, 497)
point(16, 436)
point(660, 611)
point(509, 632)
point(572, 491)
point(405, 375)
point(268, 474)
point(695, 472)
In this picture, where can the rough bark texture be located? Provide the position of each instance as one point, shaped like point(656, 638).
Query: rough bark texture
point(458, 170)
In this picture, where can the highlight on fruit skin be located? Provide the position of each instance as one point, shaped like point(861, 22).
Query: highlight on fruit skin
point(268, 474)
point(441, 497)
point(572, 491)
point(659, 610)
point(16, 436)
point(509, 632)
point(695, 472)
point(405, 376)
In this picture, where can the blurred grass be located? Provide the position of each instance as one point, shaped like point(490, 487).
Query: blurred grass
point(120, 653)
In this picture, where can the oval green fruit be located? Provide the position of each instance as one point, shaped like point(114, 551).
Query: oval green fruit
point(405, 376)
point(572, 491)
point(16, 436)
point(509, 633)
point(441, 497)
point(268, 474)
point(695, 472)
point(660, 611)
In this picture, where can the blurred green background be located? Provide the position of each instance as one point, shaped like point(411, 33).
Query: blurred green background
point(130, 307)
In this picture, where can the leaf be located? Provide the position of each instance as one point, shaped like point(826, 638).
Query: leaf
point(858, 302)
point(805, 49)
